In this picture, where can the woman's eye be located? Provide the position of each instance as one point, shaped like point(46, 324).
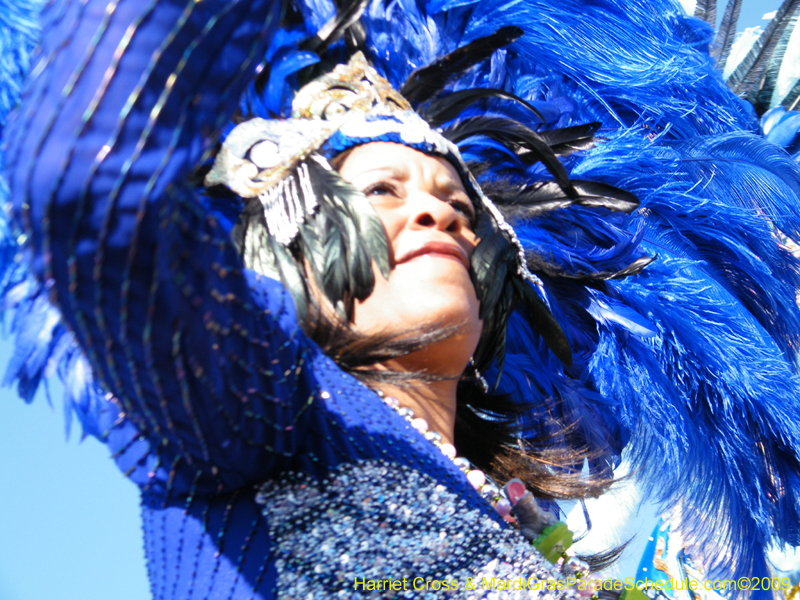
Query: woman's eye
point(465, 209)
point(380, 189)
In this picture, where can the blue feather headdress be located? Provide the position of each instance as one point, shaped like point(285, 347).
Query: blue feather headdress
point(691, 364)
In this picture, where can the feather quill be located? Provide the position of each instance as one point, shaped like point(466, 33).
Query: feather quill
point(726, 34)
point(706, 10)
point(763, 96)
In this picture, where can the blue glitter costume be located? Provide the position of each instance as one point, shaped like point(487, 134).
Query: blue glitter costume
point(264, 469)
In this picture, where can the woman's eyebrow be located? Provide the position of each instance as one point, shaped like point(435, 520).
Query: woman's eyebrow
point(454, 188)
point(394, 170)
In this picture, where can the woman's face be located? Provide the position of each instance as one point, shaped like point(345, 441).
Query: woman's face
point(429, 221)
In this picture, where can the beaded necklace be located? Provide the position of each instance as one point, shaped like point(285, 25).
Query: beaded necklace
point(553, 542)
point(485, 486)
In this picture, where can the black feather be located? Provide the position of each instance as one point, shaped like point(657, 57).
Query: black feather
point(543, 196)
point(543, 266)
point(355, 36)
point(490, 265)
point(323, 245)
point(250, 235)
point(292, 277)
point(726, 34)
point(540, 317)
point(632, 269)
point(493, 262)
point(446, 108)
point(501, 291)
point(355, 205)
point(347, 16)
point(602, 195)
point(352, 237)
point(496, 332)
point(538, 198)
point(426, 82)
point(566, 140)
point(517, 137)
point(336, 245)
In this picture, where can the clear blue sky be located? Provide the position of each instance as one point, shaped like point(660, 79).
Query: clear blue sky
point(751, 12)
point(69, 521)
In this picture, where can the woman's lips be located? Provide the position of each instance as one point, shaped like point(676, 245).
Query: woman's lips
point(437, 249)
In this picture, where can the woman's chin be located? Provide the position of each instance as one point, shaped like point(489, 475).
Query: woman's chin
point(421, 295)
point(425, 308)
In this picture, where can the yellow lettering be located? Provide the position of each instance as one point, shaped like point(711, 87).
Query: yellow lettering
point(629, 584)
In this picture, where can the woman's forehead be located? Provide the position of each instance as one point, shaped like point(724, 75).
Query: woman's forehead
point(398, 160)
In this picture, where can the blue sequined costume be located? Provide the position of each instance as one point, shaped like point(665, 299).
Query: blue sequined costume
point(218, 390)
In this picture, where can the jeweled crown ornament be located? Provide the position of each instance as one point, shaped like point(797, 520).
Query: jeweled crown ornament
point(352, 86)
point(264, 158)
point(259, 153)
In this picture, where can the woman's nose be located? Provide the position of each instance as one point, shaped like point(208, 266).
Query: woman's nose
point(430, 212)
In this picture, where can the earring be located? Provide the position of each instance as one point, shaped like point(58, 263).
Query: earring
point(479, 379)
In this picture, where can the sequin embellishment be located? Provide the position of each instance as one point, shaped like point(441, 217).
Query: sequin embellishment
point(376, 520)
